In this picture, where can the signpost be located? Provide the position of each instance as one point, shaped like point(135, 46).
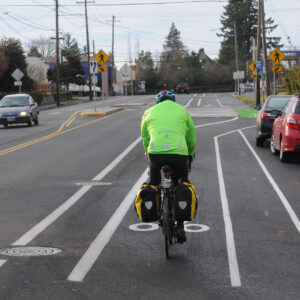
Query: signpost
point(17, 75)
point(94, 72)
point(276, 56)
point(102, 58)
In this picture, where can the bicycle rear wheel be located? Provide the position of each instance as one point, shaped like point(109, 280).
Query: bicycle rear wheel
point(167, 226)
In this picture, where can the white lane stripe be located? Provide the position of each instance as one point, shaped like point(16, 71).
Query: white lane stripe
point(220, 104)
point(97, 246)
point(195, 95)
point(2, 262)
point(280, 194)
point(41, 226)
point(208, 124)
point(190, 101)
point(199, 102)
point(231, 252)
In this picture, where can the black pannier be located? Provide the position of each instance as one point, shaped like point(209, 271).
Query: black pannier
point(185, 201)
point(147, 203)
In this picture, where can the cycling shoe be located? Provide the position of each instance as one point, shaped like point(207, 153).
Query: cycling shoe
point(180, 235)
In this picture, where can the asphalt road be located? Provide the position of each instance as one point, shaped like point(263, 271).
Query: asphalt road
point(69, 183)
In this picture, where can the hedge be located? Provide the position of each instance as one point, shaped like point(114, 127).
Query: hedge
point(292, 81)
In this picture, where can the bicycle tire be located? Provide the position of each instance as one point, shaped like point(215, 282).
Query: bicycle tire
point(167, 226)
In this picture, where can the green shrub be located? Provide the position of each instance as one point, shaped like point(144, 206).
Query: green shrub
point(292, 81)
point(37, 97)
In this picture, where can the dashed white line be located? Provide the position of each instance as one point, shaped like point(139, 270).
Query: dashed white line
point(190, 101)
point(199, 102)
point(219, 102)
point(97, 246)
point(41, 226)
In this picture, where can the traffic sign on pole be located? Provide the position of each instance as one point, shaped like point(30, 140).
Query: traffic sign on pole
point(277, 68)
point(102, 69)
point(252, 66)
point(93, 66)
point(101, 57)
point(276, 56)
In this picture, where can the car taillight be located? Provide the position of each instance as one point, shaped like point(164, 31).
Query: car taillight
point(265, 115)
point(291, 123)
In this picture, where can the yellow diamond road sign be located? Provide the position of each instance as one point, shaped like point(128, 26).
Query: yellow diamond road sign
point(101, 57)
point(102, 69)
point(252, 66)
point(276, 56)
point(277, 68)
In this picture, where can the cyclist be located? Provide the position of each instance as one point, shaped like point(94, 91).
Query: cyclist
point(169, 137)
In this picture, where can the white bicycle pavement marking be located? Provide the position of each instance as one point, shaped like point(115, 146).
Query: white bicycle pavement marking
point(41, 226)
point(199, 102)
point(219, 102)
point(2, 262)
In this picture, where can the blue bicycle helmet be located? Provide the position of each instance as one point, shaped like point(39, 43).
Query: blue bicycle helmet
point(165, 95)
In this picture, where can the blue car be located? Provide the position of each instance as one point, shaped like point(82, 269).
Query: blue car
point(18, 108)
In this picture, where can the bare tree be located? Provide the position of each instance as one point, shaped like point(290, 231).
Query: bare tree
point(44, 45)
point(36, 69)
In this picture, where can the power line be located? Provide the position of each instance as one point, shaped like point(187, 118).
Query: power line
point(123, 4)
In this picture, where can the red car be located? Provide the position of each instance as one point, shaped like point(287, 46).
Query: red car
point(285, 137)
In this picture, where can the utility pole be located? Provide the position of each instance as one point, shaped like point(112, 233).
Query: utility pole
point(88, 49)
point(236, 55)
point(57, 57)
point(264, 44)
point(258, 56)
point(113, 42)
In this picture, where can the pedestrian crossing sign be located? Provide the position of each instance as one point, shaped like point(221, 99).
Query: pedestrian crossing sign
point(101, 57)
point(252, 66)
point(276, 56)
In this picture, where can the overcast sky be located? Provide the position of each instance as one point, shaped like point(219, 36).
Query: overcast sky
point(137, 27)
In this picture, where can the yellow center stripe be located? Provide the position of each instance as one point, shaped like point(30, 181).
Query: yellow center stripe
point(56, 133)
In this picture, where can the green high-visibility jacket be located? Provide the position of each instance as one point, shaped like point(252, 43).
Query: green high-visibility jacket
point(167, 128)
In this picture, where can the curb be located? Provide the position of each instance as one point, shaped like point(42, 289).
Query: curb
point(101, 113)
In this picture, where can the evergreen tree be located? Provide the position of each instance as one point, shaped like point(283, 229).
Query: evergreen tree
point(71, 71)
point(172, 60)
point(15, 56)
point(245, 14)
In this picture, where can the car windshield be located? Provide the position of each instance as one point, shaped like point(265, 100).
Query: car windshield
point(182, 84)
point(277, 102)
point(296, 109)
point(14, 101)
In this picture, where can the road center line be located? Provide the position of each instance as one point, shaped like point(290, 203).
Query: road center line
point(97, 246)
point(231, 252)
point(41, 226)
point(280, 194)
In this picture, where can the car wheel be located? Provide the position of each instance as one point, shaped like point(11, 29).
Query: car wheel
point(29, 123)
point(284, 156)
point(5, 125)
point(272, 146)
point(259, 141)
point(36, 121)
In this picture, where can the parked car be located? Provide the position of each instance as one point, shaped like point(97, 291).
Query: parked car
point(18, 108)
point(267, 115)
point(246, 87)
point(285, 138)
point(182, 88)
